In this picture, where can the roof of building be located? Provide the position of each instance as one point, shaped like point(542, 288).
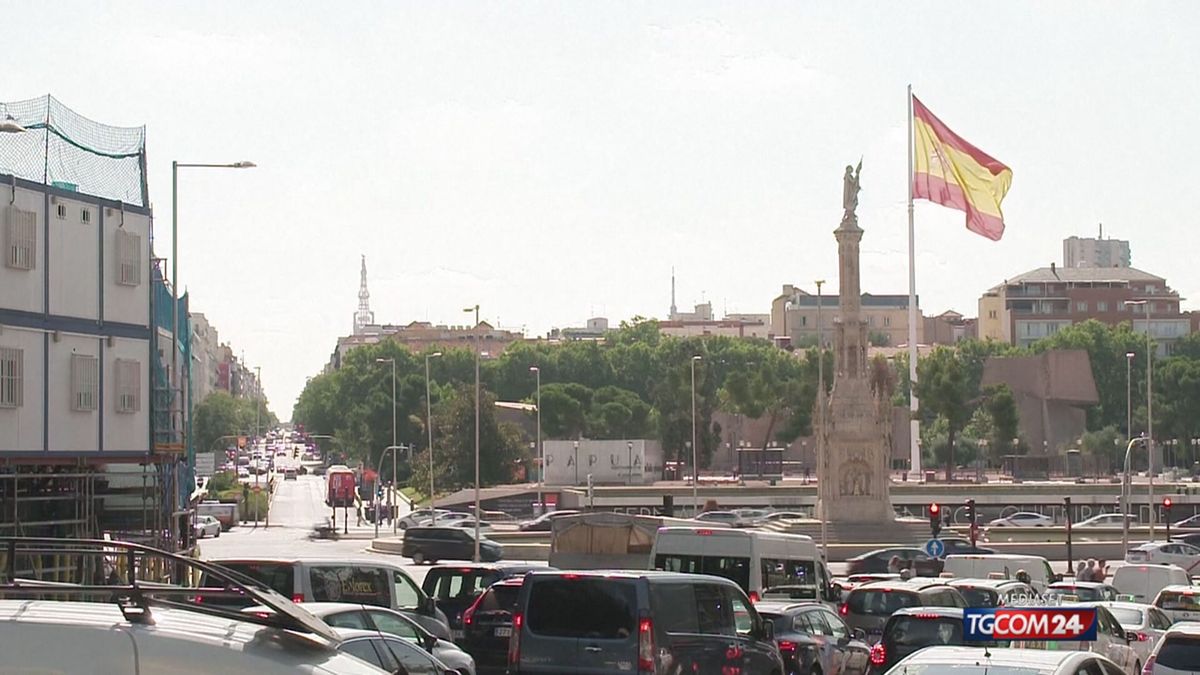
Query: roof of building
point(1083, 274)
point(868, 300)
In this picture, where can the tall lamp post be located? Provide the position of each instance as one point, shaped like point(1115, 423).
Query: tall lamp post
point(695, 446)
point(392, 496)
point(541, 458)
point(429, 428)
point(822, 469)
point(175, 167)
point(1126, 489)
point(1149, 411)
point(1129, 394)
point(475, 341)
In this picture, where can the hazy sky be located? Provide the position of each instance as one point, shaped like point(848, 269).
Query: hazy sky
point(553, 161)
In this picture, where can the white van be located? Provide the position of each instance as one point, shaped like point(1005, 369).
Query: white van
point(1143, 582)
point(755, 560)
point(980, 566)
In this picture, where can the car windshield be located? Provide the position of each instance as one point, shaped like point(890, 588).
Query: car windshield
point(979, 597)
point(1186, 601)
point(880, 602)
point(1181, 652)
point(1127, 616)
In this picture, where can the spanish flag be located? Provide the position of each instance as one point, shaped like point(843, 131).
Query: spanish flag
point(952, 172)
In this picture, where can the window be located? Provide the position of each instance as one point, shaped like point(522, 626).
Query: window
point(85, 381)
point(20, 239)
point(887, 320)
point(554, 608)
point(128, 376)
point(353, 619)
point(743, 617)
point(408, 596)
point(787, 573)
point(735, 569)
point(363, 650)
point(61, 211)
point(1101, 306)
point(12, 362)
point(129, 258)
point(1081, 306)
point(991, 313)
point(804, 321)
point(390, 623)
point(85, 216)
point(349, 583)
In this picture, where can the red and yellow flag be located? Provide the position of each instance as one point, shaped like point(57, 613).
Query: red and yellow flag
point(952, 172)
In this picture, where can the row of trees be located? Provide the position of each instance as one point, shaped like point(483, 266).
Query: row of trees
point(221, 415)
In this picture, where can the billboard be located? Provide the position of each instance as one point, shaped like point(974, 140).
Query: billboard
point(633, 462)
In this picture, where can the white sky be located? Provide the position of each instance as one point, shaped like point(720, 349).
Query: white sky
point(553, 161)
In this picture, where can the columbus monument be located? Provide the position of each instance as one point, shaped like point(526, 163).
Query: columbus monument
point(854, 420)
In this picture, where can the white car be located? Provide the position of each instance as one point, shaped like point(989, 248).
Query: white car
point(444, 519)
point(1177, 653)
point(1111, 641)
point(1167, 553)
point(206, 526)
point(1147, 622)
point(1023, 519)
point(1180, 603)
point(388, 652)
point(973, 661)
point(1082, 591)
point(1106, 520)
point(467, 524)
point(417, 517)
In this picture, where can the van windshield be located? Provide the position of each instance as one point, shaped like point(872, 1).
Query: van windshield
point(736, 569)
point(556, 608)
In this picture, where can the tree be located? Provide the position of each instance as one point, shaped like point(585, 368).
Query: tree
point(943, 390)
point(1001, 408)
point(1177, 400)
point(1106, 347)
point(216, 416)
point(454, 451)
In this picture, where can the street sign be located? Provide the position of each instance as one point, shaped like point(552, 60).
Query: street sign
point(206, 463)
point(935, 548)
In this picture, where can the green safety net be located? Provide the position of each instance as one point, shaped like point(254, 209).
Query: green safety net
point(62, 148)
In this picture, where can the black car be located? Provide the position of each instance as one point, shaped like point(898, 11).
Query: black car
point(961, 546)
point(456, 587)
point(875, 562)
point(542, 522)
point(913, 629)
point(431, 544)
point(812, 639)
point(487, 626)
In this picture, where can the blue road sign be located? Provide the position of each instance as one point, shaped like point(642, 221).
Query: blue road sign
point(935, 547)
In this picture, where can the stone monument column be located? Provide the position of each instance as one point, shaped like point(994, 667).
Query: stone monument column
point(854, 434)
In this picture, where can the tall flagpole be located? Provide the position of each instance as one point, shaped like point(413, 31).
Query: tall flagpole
point(914, 424)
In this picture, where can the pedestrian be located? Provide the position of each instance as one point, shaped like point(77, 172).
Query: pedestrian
point(1101, 572)
point(1091, 569)
point(894, 565)
point(1081, 571)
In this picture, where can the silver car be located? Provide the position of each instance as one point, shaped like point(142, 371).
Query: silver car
point(390, 653)
point(971, 661)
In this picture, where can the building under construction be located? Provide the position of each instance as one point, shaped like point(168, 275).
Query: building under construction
point(93, 375)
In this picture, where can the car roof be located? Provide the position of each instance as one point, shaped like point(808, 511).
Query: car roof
point(1181, 588)
point(780, 607)
point(1121, 604)
point(649, 575)
point(1184, 628)
point(1037, 658)
point(378, 562)
point(948, 612)
point(475, 566)
point(914, 584)
point(1078, 584)
point(986, 583)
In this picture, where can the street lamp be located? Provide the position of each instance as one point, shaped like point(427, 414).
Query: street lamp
point(541, 459)
point(475, 341)
point(695, 445)
point(1149, 410)
point(393, 495)
point(429, 428)
point(1129, 394)
point(576, 463)
point(1126, 489)
point(175, 167)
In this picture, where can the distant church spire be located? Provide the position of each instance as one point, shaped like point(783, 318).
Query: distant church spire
point(674, 310)
point(364, 316)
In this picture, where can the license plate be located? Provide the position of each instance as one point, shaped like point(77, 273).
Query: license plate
point(456, 634)
point(503, 631)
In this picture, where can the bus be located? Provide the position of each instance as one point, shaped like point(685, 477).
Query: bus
point(339, 486)
point(756, 560)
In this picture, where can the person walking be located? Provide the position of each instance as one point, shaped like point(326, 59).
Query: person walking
point(1081, 571)
point(1101, 572)
point(894, 565)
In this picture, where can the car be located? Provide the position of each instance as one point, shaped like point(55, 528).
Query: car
point(416, 517)
point(751, 517)
point(869, 606)
point(812, 639)
point(206, 526)
point(1023, 519)
point(1179, 602)
point(1146, 622)
point(456, 587)
point(487, 625)
point(385, 620)
point(1107, 520)
point(1177, 653)
point(367, 582)
point(444, 518)
point(390, 653)
point(960, 545)
point(1082, 591)
point(1001, 566)
point(649, 622)
point(542, 522)
point(468, 524)
point(921, 563)
point(725, 517)
point(1185, 556)
point(992, 592)
point(785, 515)
point(1143, 582)
point(1002, 661)
point(915, 628)
point(1192, 522)
point(430, 544)
point(243, 472)
point(289, 473)
point(1112, 640)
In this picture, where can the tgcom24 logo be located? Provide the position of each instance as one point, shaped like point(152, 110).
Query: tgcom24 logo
point(1030, 623)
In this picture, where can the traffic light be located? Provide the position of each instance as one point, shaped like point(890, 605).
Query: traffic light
point(971, 511)
point(935, 519)
point(1167, 515)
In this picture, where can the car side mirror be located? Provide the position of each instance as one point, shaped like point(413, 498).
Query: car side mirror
point(428, 606)
point(859, 634)
point(769, 629)
point(1131, 636)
